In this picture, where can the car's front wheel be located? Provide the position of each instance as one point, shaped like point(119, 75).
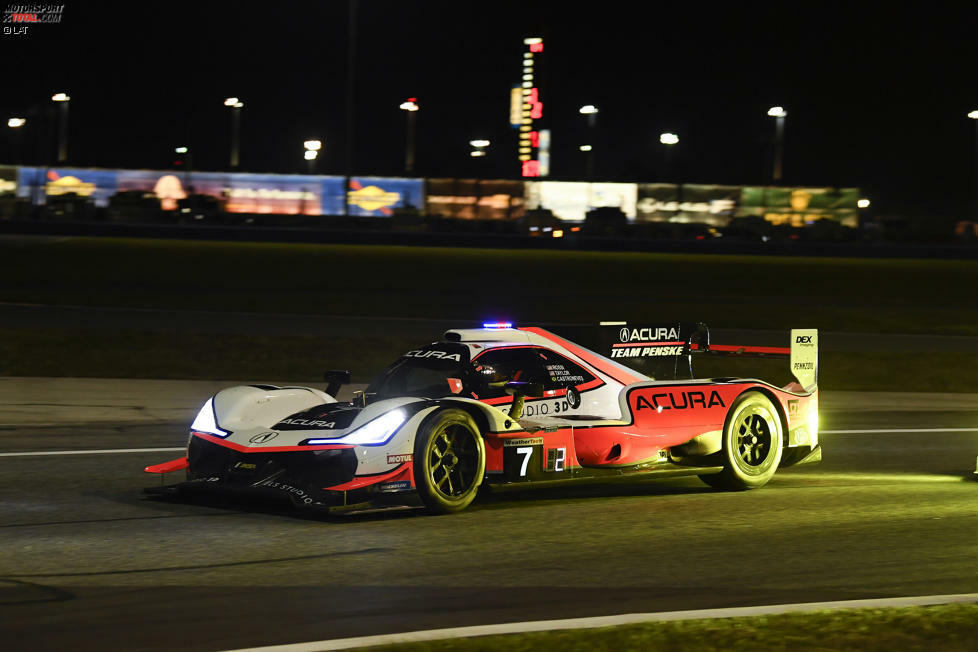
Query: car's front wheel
point(449, 461)
point(753, 441)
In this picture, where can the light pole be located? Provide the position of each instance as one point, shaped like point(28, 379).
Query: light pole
point(479, 146)
point(778, 113)
point(186, 161)
point(312, 148)
point(591, 112)
point(16, 124)
point(410, 108)
point(670, 140)
point(62, 99)
point(235, 104)
point(974, 116)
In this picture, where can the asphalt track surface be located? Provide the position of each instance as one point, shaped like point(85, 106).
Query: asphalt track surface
point(90, 563)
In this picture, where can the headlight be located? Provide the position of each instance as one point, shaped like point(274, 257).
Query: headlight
point(206, 421)
point(373, 433)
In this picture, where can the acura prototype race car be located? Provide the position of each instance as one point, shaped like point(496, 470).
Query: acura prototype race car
point(509, 406)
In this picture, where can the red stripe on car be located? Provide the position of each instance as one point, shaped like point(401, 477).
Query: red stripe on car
point(266, 449)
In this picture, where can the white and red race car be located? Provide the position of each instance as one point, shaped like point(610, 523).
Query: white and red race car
point(509, 406)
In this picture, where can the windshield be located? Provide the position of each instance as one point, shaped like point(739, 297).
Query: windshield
point(422, 372)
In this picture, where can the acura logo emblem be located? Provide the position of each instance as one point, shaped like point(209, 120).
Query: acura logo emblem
point(262, 438)
point(623, 335)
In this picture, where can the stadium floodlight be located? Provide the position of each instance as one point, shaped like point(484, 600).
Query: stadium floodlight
point(777, 112)
point(479, 143)
point(585, 148)
point(410, 105)
point(863, 203)
point(16, 122)
point(313, 145)
point(181, 150)
point(973, 115)
point(668, 138)
point(60, 97)
point(311, 154)
point(588, 109)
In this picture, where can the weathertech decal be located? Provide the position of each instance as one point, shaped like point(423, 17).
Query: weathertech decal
point(679, 401)
point(525, 441)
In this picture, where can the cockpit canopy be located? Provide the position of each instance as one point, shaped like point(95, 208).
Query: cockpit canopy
point(425, 372)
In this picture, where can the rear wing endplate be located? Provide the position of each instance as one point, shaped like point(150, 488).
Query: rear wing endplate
point(804, 357)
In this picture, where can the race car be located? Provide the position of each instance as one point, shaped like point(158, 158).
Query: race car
point(510, 406)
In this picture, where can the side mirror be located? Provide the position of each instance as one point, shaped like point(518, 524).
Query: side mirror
point(334, 380)
point(519, 390)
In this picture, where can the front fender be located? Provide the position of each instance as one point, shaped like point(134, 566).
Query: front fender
point(248, 406)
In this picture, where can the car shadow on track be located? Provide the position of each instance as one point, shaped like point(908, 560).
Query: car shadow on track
point(271, 506)
point(489, 499)
point(514, 496)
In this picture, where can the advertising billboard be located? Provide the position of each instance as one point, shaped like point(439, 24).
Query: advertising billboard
point(240, 192)
point(800, 206)
point(475, 199)
point(8, 180)
point(380, 196)
point(704, 204)
point(36, 183)
point(571, 200)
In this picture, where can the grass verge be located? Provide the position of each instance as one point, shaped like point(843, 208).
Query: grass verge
point(946, 627)
point(759, 292)
point(87, 353)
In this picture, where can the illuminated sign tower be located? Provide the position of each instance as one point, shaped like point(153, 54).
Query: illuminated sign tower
point(526, 111)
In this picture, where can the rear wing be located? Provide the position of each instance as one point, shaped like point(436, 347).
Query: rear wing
point(666, 351)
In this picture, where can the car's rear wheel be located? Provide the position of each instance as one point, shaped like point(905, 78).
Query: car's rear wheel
point(449, 461)
point(753, 442)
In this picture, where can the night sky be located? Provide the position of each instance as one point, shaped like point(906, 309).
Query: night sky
point(876, 97)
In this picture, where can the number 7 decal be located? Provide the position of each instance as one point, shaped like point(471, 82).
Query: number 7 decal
point(527, 452)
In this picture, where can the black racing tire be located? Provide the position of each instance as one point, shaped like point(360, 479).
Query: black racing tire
point(753, 442)
point(449, 461)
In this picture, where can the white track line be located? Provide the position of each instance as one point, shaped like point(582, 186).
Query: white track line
point(878, 430)
point(94, 452)
point(608, 621)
